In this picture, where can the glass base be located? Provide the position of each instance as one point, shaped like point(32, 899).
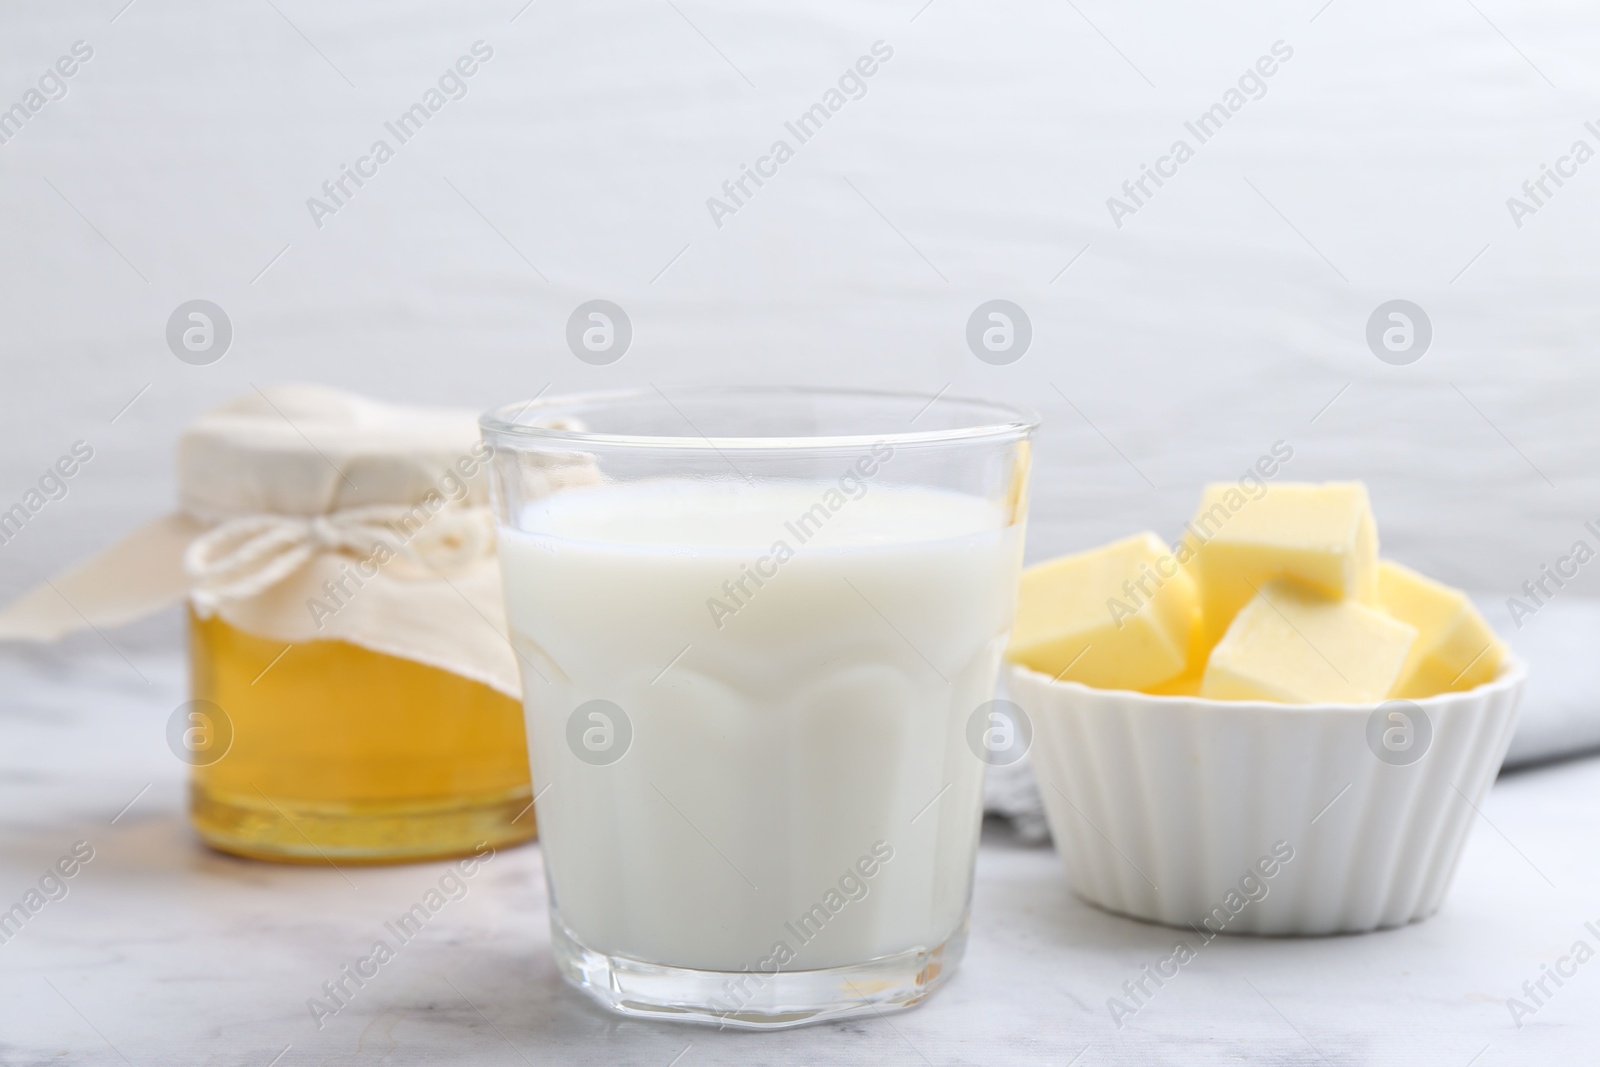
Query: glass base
point(755, 1001)
point(291, 831)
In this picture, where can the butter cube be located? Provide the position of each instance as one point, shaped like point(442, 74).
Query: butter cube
point(1291, 644)
point(1121, 616)
point(1322, 536)
point(1455, 648)
point(1186, 684)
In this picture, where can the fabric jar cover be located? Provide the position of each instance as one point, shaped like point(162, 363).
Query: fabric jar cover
point(312, 514)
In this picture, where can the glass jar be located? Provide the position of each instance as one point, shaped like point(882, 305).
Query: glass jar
point(344, 635)
point(353, 689)
point(759, 653)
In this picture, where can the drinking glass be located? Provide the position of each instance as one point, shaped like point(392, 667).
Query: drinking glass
point(759, 631)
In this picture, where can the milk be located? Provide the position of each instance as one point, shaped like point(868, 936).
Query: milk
point(798, 680)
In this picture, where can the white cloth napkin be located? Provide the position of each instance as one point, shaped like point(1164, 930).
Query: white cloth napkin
point(1561, 706)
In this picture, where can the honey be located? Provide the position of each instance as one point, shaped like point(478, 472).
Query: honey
point(343, 754)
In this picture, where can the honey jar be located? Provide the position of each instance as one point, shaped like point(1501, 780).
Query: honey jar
point(353, 694)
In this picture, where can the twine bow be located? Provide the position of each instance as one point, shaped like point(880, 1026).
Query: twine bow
point(244, 557)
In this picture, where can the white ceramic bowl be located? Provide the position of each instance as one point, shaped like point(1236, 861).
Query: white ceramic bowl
point(1170, 809)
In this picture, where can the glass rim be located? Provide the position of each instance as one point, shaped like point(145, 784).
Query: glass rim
point(1006, 420)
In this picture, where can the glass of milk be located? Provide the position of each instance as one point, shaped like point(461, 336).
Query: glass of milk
point(759, 631)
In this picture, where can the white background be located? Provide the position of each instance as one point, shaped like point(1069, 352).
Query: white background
point(1217, 320)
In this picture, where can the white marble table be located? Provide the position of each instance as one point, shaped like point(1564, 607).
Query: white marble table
point(165, 953)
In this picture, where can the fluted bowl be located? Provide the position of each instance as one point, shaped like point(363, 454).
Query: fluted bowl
point(1263, 818)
